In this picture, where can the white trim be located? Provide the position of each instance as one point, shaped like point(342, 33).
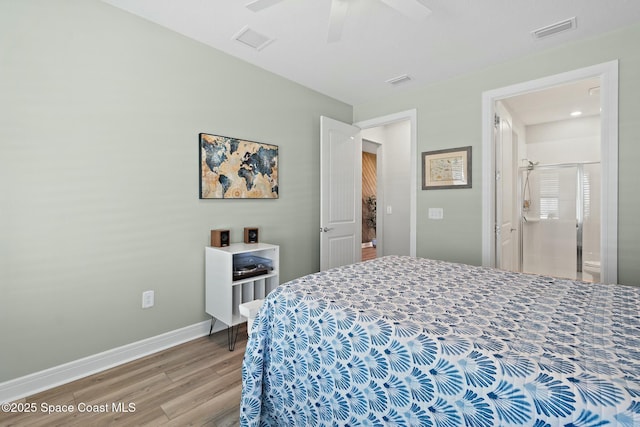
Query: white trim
point(28, 385)
point(608, 74)
point(412, 116)
point(609, 192)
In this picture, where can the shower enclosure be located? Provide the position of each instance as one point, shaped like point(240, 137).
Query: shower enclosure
point(560, 220)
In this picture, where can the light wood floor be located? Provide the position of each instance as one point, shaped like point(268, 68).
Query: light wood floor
point(194, 384)
point(368, 253)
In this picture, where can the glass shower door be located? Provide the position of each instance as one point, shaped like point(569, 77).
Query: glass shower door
point(549, 220)
point(590, 183)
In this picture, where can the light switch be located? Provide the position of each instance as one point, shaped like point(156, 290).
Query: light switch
point(389, 210)
point(147, 299)
point(436, 213)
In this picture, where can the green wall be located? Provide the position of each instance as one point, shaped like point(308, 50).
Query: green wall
point(99, 119)
point(449, 115)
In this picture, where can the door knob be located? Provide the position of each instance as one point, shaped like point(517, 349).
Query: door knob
point(325, 229)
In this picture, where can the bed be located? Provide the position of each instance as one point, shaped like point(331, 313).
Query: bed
point(405, 341)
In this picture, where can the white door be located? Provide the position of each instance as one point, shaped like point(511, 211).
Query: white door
point(340, 193)
point(505, 195)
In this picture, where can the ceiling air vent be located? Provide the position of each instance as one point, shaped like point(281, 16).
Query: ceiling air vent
point(252, 38)
point(558, 27)
point(398, 80)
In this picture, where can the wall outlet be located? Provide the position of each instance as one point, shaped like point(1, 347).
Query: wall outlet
point(147, 299)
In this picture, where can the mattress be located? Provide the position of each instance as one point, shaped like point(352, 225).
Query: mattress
point(416, 342)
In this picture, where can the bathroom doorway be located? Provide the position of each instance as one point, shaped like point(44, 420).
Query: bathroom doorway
point(554, 180)
point(563, 175)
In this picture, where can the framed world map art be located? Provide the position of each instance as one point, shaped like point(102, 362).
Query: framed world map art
point(444, 169)
point(232, 168)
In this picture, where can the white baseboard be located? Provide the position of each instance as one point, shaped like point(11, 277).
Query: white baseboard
point(27, 385)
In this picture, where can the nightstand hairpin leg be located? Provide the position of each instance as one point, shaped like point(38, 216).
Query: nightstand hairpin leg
point(232, 337)
point(213, 322)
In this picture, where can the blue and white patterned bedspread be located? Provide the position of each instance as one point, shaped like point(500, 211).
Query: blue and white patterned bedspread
point(402, 341)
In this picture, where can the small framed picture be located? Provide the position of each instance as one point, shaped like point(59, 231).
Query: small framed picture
point(446, 169)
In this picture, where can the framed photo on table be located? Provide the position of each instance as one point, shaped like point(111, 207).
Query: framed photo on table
point(446, 169)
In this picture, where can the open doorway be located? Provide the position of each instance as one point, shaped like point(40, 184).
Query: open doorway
point(548, 149)
point(394, 196)
point(493, 190)
point(340, 187)
point(370, 196)
point(396, 158)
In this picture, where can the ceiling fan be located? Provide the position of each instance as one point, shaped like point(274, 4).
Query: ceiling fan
point(413, 9)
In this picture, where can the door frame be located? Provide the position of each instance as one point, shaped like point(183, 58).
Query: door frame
point(608, 74)
point(412, 116)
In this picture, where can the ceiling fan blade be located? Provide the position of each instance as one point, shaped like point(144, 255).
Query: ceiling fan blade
point(337, 16)
point(257, 5)
point(410, 8)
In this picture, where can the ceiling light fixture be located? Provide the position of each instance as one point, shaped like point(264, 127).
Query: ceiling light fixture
point(576, 113)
